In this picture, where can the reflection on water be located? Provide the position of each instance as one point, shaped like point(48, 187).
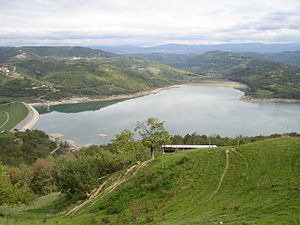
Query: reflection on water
point(77, 107)
point(205, 110)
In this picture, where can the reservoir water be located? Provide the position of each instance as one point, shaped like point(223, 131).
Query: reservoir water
point(205, 110)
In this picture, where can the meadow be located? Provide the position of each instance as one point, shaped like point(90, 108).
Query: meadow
point(255, 183)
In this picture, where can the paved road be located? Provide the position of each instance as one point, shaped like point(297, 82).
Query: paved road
point(30, 120)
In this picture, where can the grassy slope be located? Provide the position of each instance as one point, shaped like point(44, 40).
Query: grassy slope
point(17, 112)
point(261, 186)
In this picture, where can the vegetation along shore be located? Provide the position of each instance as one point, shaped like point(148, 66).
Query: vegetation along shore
point(204, 83)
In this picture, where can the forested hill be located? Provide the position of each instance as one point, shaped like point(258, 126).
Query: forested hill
point(287, 57)
point(61, 72)
point(7, 53)
point(51, 73)
point(265, 78)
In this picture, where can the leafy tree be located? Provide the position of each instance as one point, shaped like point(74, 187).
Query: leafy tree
point(24, 147)
point(123, 141)
point(78, 174)
point(129, 148)
point(20, 175)
point(43, 173)
point(10, 193)
point(153, 133)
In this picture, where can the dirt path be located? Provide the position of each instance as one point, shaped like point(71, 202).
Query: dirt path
point(101, 191)
point(223, 175)
point(57, 147)
point(7, 119)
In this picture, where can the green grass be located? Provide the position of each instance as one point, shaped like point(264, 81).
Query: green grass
point(262, 92)
point(261, 186)
point(6, 135)
point(16, 112)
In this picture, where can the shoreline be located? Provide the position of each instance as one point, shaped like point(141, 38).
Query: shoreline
point(253, 100)
point(29, 121)
point(205, 83)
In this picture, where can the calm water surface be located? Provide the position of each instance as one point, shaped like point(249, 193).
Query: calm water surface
point(205, 110)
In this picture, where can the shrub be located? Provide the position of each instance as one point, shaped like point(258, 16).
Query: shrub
point(77, 175)
point(13, 194)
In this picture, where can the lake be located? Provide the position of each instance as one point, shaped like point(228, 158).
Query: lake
point(205, 110)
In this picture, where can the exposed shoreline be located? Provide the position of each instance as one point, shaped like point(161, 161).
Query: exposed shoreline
point(251, 99)
point(205, 83)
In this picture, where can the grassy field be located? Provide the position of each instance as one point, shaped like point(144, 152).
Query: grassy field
point(257, 183)
point(11, 114)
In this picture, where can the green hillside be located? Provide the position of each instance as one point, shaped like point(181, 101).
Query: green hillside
point(37, 73)
point(256, 183)
point(287, 57)
point(7, 53)
point(265, 78)
point(50, 73)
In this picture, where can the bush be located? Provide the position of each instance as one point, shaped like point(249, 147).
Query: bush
point(43, 177)
point(13, 194)
point(77, 175)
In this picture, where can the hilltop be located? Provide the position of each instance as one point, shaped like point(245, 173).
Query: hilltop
point(255, 183)
point(173, 48)
point(7, 53)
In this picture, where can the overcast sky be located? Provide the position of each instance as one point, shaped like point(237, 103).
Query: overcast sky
point(148, 22)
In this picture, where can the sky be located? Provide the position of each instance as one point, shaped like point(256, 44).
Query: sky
point(148, 22)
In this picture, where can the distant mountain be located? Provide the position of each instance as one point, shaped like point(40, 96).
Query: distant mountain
point(287, 57)
point(199, 49)
point(173, 59)
point(121, 49)
point(42, 51)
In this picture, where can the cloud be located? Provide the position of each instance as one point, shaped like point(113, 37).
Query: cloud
point(106, 22)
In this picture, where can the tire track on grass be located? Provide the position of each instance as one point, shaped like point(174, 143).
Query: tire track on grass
point(100, 192)
point(7, 119)
point(223, 175)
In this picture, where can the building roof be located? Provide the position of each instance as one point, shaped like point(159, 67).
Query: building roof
point(189, 146)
